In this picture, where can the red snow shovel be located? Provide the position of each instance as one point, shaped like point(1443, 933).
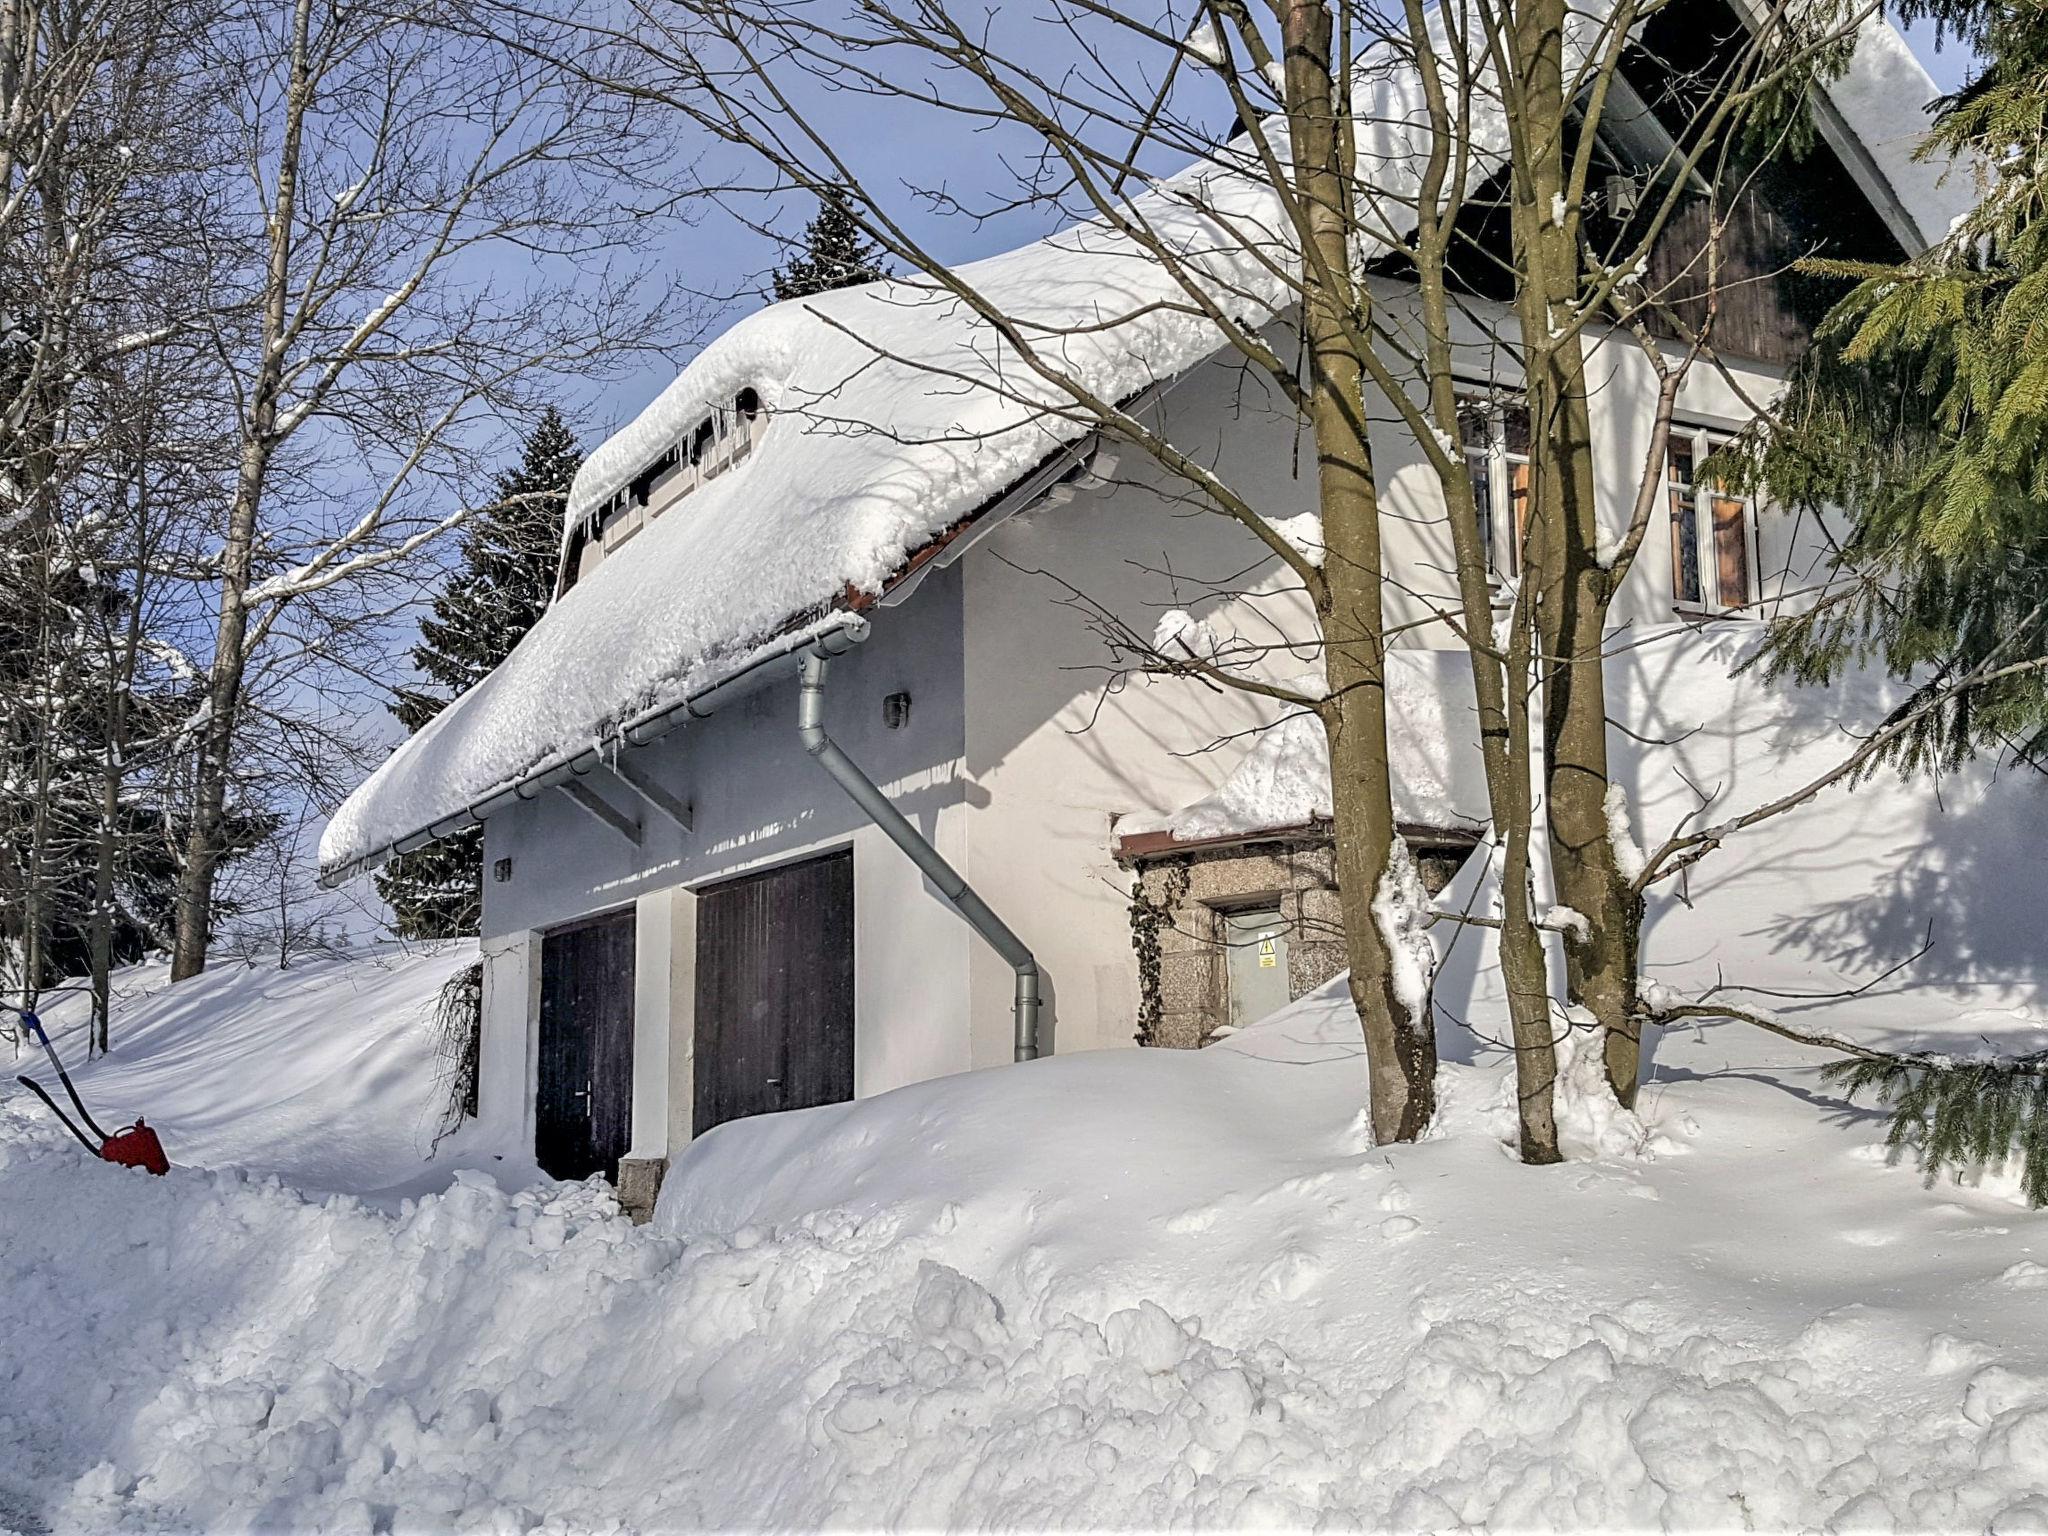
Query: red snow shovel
point(133, 1146)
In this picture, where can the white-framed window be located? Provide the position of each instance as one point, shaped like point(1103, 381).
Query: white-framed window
point(1714, 556)
point(727, 435)
point(1496, 437)
point(655, 476)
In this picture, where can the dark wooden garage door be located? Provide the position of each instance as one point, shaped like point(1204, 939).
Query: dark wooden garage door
point(775, 991)
point(583, 1115)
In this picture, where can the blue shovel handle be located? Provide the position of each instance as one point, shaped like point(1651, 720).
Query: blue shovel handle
point(35, 1025)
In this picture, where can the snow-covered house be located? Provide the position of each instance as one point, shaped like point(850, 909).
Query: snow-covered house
point(696, 908)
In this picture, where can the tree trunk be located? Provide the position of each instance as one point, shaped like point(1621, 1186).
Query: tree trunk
point(35, 916)
point(1600, 968)
point(1524, 971)
point(1400, 1036)
point(1575, 590)
point(37, 447)
point(1400, 1042)
point(113, 775)
point(204, 841)
point(45, 688)
point(100, 925)
point(1500, 674)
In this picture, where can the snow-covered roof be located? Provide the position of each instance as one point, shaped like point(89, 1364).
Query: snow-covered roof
point(1876, 115)
point(871, 450)
point(895, 410)
point(1283, 783)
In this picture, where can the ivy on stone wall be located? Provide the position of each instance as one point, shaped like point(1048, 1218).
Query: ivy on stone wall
point(1148, 917)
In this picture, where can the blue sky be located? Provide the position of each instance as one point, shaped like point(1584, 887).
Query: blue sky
point(1949, 65)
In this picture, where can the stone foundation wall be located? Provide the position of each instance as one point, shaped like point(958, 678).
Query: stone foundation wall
point(1178, 914)
point(640, 1186)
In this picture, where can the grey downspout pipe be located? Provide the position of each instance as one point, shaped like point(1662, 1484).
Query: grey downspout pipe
point(810, 726)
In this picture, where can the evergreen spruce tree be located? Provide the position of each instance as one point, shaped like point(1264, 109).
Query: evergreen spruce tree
point(500, 588)
point(1922, 409)
point(835, 254)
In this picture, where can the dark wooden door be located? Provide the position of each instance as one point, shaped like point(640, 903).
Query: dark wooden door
point(583, 1114)
point(775, 991)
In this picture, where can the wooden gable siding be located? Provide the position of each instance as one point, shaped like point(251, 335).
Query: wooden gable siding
point(1756, 309)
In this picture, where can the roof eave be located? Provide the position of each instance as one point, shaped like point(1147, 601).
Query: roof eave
point(833, 635)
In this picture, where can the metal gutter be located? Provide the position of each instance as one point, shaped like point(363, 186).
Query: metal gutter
point(1066, 465)
point(897, 827)
point(833, 635)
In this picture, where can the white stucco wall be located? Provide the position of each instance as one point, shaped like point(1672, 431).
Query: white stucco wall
point(1056, 752)
point(1059, 756)
point(1020, 755)
point(1622, 388)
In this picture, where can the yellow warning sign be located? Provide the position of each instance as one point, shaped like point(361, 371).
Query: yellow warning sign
point(1268, 959)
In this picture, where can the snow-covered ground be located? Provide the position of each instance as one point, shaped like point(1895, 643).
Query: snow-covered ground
point(1119, 1289)
point(324, 1074)
point(1123, 1289)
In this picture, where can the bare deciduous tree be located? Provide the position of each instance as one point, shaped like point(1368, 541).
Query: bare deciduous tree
point(426, 222)
point(103, 129)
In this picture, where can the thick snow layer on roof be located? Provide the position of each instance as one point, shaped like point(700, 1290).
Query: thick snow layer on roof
point(1284, 781)
point(896, 410)
point(1883, 98)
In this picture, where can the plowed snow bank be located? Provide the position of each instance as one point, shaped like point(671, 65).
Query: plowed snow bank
point(1129, 1289)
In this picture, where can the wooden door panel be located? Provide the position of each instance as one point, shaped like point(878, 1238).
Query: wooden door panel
point(561, 1140)
point(583, 1109)
point(609, 962)
point(775, 991)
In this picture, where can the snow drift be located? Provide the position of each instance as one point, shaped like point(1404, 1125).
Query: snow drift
point(1202, 1300)
point(324, 1074)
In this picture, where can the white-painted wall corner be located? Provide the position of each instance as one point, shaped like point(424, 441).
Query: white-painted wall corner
point(507, 1050)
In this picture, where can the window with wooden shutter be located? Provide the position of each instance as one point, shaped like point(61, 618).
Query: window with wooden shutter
point(1731, 550)
point(1713, 531)
point(1685, 531)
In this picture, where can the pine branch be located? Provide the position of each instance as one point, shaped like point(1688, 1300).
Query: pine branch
point(1957, 1113)
point(1965, 1116)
